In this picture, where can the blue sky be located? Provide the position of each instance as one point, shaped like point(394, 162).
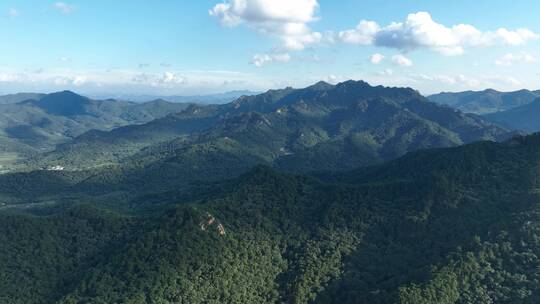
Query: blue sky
point(207, 46)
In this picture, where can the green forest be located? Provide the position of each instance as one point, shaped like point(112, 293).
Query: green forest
point(454, 225)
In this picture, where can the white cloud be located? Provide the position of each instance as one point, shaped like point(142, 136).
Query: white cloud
point(376, 58)
point(172, 78)
point(13, 13)
point(419, 30)
point(333, 79)
point(234, 12)
point(63, 81)
point(79, 80)
point(363, 34)
point(464, 82)
point(285, 19)
point(64, 7)
point(511, 59)
point(459, 80)
point(170, 82)
point(517, 37)
point(10, 77)
point(260, 60)
point(167, 79)
point(467, 81)
point(401, 61)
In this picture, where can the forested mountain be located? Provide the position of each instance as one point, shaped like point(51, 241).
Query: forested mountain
point(340, 193)
point(144, 186)
point(15, 98)
point(37, 125)
point(455, 225)
point(526, 117)
point(319, 127)
point(485, 102)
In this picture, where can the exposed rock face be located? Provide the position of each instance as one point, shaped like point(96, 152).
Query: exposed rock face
point(209, 223)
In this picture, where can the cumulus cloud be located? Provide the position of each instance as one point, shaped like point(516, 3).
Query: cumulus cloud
point(376, 58)
point(172, 78)
point(511, 59)
point(517, 37)
point(419, 31)
point(401, 61)
point(64, 7)
point(364, 33)
point(260, 60)
point(285, 19)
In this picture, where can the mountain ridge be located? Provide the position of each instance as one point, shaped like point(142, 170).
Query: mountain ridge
point(377, 118)
point(32, 126)
point(18, 97)
point(486, 101)
point(218, 98)
point(523, 118)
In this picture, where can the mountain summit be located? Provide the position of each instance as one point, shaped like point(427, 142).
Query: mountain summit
point(321, 127)
point(65, 103)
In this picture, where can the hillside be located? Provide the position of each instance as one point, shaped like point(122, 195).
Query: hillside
point(319, 127)
point(37, 125)
point(454, 225)
point(15, 98)
point(525, 118)
point(485, 102)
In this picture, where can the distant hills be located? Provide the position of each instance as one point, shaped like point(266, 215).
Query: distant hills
point(15, 98)
point(38, 124)
point(485, 102)
point(321, 127)
point(525, 117)
point(220, 98)
point(318, 127)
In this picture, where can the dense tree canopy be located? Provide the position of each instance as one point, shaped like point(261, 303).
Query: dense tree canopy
point(454, 225)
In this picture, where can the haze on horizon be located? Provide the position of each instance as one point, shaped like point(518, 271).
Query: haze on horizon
point(214, 46)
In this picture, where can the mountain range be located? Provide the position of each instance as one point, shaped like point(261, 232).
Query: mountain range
point(15, 98)
point(346, 193)
point(485, 102)
point(321, 127)
point(219, 98)
point(526, 117)
point(37, 125)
